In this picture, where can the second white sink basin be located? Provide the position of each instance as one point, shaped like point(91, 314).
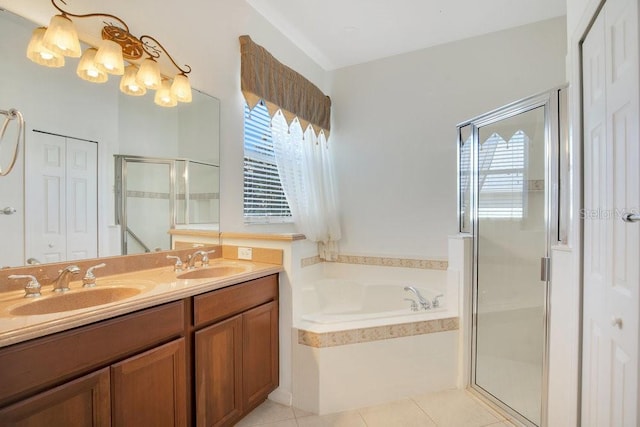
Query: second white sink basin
point(212, 272)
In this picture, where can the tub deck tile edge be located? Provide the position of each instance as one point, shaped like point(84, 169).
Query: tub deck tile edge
point(376, 333)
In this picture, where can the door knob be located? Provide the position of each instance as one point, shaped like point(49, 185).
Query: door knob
point(8, 211)
point(616, 322)
point(631, 218)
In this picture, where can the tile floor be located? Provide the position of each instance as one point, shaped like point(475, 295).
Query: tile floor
point(451, 408)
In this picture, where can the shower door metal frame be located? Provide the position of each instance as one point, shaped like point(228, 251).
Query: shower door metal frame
point(550, 102)
point(121, 198)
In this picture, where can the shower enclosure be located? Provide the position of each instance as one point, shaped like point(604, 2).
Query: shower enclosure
point(507, 197)
point(155, 195)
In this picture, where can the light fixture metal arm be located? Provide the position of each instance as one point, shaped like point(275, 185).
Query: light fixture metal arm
point(89, 15)
point(155, 54)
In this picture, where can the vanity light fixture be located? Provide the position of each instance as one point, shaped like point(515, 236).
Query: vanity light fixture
point(88, 69)
point(40, 54)
point(164, 97)
point(128, 83)
point(49, 46)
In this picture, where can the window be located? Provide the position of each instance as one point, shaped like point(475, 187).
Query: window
point(264, 199)
point(502, 176)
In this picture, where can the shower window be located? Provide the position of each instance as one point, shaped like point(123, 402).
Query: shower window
point(501, 167)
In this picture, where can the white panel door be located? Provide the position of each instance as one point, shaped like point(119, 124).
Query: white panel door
point(61, 203)
point(45, 223)
point(611, 190)
point(81, 202)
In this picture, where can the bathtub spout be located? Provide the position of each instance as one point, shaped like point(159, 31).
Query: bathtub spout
point(423, 302)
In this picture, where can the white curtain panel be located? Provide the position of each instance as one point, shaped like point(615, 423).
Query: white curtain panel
point(306, 171)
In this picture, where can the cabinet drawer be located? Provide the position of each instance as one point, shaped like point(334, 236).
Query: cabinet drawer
point(226, 302)
point(34, 365)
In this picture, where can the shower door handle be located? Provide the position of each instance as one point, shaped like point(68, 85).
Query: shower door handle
point(545, 269)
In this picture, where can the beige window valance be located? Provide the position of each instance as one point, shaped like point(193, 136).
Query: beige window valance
point(265, 78)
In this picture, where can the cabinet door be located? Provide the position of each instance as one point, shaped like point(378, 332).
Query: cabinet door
point(150, 389)
point(218, 367)
point(82, 402)
point(259, 353)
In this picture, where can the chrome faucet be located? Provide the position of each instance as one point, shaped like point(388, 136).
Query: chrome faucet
point(89, 279)
point(32, 288)
point(191, 259)
point(424, 303)
point(61, 283)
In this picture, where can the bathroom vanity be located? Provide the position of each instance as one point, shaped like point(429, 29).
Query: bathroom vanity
point(200, 352)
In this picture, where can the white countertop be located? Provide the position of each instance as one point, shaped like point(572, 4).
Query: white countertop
point(157, 286)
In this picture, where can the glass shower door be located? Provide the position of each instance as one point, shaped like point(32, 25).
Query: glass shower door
point(148, 201)
point(511, 238)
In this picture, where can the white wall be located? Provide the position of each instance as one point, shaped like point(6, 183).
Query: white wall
point(394, 131)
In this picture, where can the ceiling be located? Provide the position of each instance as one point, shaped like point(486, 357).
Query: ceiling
point(340, 33)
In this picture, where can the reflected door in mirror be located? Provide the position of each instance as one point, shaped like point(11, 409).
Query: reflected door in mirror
point(61, 219)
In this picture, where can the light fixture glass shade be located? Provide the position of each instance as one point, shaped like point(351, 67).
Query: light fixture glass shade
point(128, 83)
point(87, 69)
point(149, 74)
point(109, 58)
point(61, 37)
point(164, 97)
point(181, 88)
point(40, 54)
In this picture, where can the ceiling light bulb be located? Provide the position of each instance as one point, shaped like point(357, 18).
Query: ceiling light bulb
point(61, 37)
point(181, 88)
point(40, 54)
point(128, 82)
point(109, 58)
point(149, 74)
point(87, 69)
point(164, 97)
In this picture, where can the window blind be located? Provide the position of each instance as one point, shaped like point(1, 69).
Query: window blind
point(502, 182)
point(264, 198)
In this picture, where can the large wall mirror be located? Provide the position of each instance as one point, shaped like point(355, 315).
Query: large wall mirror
point(67, 188)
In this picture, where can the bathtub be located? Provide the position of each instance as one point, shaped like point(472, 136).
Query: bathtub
point(334, 301)
point(357, 342)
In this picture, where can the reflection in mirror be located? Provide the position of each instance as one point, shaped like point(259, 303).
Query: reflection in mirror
point(63, 185)
point(154, 195)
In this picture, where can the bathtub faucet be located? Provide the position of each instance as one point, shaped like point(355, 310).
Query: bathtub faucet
point(424, 303)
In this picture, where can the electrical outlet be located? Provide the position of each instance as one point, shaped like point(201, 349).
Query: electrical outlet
point(245, 253)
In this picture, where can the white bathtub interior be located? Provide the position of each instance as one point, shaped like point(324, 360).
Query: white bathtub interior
point(352, 294)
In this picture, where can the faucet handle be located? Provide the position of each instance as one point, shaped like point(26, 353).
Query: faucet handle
point(414, 304)
point(436, 301)
point(205, 257)
point(178, 264)
point(89, 279)
point(32, 288)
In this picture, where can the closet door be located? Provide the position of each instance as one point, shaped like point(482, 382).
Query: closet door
point(611, 191)
point(61, 198)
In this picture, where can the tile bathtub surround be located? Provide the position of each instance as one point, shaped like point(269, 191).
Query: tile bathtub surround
point(425, 264)
point(450, 408)
point(377, 333)
point(45, 273)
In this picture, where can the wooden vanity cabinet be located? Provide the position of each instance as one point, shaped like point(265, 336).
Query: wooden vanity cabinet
point(236, 350)
point(82, 402)
point(211, 358)
point(150, 389)
point(119, 372)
